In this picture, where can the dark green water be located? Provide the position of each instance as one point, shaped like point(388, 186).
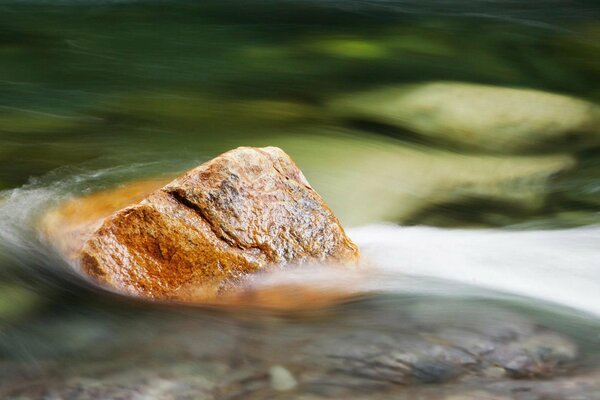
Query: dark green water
point(97, 93)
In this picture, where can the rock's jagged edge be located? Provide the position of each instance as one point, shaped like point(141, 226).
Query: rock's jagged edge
point(197, 238)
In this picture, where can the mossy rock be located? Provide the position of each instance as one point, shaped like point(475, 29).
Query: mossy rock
point(479, 117)
point(370, 178)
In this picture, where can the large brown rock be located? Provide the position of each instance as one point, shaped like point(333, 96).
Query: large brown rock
point(248, 210)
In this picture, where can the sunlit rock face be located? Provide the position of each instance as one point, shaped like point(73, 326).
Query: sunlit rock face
point(479, 117)
point(199, 236)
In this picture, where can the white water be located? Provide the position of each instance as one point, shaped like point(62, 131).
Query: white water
point(559, 266)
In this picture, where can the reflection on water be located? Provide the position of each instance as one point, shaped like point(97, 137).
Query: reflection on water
point(394, 110)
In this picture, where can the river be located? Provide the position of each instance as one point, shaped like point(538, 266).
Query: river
point(483, 275)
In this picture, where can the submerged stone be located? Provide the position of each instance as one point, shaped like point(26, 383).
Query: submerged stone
point(281, 379)
point(437, 355)
point(480, 117)
point(245, 211)
point(369, 178)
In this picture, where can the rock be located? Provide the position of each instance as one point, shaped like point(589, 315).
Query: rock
point(535, 356)
point(69, 226)
point(479, 117)
point(281, 379)
point(246, 211)
point(137, 382)
point(436, 357)
point(412, 182)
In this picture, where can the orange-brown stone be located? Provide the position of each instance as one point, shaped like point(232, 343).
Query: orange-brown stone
point(200, 235)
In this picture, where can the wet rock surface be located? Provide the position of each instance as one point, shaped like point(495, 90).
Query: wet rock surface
point(247, 210)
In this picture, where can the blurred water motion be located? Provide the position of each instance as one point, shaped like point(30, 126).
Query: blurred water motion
point(397, 112)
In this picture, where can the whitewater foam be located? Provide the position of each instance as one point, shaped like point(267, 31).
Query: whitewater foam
point(558, 266)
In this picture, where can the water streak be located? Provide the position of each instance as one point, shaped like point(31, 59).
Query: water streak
point(558, 266)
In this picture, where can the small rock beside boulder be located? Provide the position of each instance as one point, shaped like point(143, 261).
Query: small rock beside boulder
point(245, 211)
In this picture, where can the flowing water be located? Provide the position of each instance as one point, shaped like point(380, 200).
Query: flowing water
point(483, 274)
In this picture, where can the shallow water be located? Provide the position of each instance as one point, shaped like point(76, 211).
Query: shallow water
point(465, 245)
